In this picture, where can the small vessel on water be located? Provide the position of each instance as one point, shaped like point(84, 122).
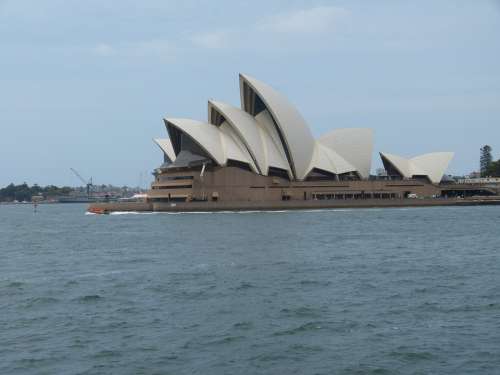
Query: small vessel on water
point(98, 210)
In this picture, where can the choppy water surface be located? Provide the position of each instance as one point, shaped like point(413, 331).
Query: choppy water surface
point(410, 291)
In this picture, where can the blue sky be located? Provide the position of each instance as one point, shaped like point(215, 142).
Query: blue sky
point(85, 84)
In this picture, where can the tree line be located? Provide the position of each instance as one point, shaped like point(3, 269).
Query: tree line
point(24, 192)
point(489, 168)
point(493, 169)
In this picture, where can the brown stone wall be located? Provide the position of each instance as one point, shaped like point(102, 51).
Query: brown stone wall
point(231, 184)
point(234, 184)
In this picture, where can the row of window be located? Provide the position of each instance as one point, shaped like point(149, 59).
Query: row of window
point(172, 187)
point(174, 178)
point(329, 196)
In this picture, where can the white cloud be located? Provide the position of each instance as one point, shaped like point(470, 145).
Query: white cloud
point(314, 20)
point(211, 40)
point(103, 49)
point(157, 49)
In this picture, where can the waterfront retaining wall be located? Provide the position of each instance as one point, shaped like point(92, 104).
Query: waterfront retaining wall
point(285, 205)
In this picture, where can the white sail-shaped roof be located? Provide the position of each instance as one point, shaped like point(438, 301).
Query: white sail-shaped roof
point(432, 165)
point(205, 135)
point(246, 127)
point(275, 155)
point(167, 148)
point(295, 135)
point(435, 164)
point(234, 149)
point(354, 145)
point(399, 163)
point(271, 137)
point(220, 143)
point(328, 160)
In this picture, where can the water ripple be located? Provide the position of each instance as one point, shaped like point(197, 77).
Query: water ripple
point(324, 292)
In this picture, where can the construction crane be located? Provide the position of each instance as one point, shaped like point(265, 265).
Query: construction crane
point(88, 183)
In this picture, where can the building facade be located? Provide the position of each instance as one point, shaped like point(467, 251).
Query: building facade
point(265, 151)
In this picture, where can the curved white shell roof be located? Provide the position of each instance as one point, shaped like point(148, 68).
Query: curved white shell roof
point(268, 132)
point(432, 165)
point(401, 164)
point(297, 138)
point(354, 145)
point(167, 148)
point(246, 127)
point(435, 164)
point(206, 135)
point(234, 148)
point(275, 155)
point(219, 142)
point(328, 160)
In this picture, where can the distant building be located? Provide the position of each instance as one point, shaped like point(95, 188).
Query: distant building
point(480, 180)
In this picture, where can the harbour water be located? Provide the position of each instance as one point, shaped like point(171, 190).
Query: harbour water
point(367, 291)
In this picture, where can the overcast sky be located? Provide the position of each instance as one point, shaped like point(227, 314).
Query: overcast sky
point(85, 84)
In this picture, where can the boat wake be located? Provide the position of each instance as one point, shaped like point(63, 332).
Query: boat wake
point(243, 212)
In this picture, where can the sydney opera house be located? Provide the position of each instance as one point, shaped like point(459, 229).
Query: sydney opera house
point(265, 152)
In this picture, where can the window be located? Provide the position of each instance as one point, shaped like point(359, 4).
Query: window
point(238, 164)
point(278, 172)
point(170, 187)
point(174, 178)
point(321, 175)
point(216, 118)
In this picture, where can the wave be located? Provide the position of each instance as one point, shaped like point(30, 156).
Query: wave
point(239, 212)
point(306, 327)
point(99, 274)
point(131, 213)
point(242, 212)
point(89, 298)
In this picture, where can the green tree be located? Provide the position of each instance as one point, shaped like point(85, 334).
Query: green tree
point(24, 192)
point(493, 169)
point(485, 160)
